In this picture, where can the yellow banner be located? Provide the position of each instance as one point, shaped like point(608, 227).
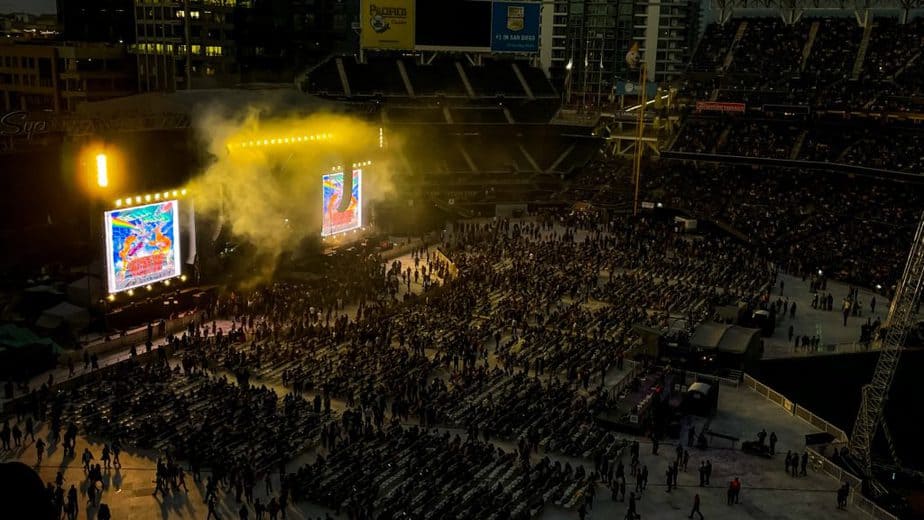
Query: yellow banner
point(387, 24)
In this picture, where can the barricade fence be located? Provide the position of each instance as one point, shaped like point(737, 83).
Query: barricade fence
point(827, 465)
point(635, 370)
point(699, 376)
point(137, 337)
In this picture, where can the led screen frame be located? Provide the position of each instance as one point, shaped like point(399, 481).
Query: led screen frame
point(334, 222)
point(155, 236)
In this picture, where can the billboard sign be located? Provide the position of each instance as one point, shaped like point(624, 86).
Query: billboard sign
point(454, 25)
point(334, 220)
point(142, 245)
point(719, 106)
point(632, 88)
point(387, 24)
point(515, 27)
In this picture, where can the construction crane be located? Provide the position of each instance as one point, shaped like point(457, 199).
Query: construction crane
point(876, 393)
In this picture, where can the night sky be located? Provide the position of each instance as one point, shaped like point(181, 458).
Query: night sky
point(28, 6)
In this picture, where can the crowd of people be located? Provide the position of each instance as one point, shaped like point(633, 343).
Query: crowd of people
point(467, 381)
point(208, 421)
point(519, 329)
point(766, 61)
point(428, 474)
point(884, 147)
point(853, 229)
point(810, 68)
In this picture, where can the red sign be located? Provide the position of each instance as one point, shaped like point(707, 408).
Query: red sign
point(719, 106)
point(145, 265)
point(343, 218)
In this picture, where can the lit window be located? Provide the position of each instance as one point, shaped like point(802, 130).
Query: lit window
point(194, 14)
point(181, 14)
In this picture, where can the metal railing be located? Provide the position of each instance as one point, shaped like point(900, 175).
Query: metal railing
point(801, 412)
point(699, 376)
point(635, 369)
point(823, 463)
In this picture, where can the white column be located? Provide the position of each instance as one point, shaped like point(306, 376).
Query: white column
point(652, 24)
point(546, 33)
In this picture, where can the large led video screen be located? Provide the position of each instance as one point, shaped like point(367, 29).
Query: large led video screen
point(335, 221)
point(453, 23)
point(142, 245)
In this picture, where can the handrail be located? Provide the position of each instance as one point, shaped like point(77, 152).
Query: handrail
point(803, 413)
point(791, 163)
point(706, 377)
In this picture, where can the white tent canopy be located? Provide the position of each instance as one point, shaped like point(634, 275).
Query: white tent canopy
point(77, 291)
point(74, 317)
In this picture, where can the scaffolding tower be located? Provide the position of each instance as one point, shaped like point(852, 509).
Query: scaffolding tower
point(876, 392)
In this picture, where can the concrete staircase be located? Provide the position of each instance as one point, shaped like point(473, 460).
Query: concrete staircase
point(798, 146)
point(561, 159)
point(730, 56)
point(344, 80)
point(465, 81)
point(526, 88)
point(529, 158)
point(904, 67)
point(807, 50)
point(509, 116)
point(723, 137)
point(861, 52)
point(405, 78)
point(468, 159)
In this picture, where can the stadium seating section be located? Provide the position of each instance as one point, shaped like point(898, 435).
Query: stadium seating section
point(442, 77)
point(823, 90)
point(826, 63)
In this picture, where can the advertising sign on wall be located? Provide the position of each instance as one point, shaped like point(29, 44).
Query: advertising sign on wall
point(719, 106)
point(387, 24)
point(515, 27)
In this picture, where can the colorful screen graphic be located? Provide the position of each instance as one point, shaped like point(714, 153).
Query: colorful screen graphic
point(334, 220)
point(142, 245)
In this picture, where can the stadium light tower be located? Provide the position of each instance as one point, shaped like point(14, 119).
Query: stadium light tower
point(102, 170)
point(92, 156)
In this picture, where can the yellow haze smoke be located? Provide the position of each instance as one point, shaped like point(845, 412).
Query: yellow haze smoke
point(265, 179)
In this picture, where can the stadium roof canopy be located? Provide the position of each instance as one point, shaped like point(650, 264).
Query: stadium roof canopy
point(177, 110)
point(285, 100)
point(791, 10)
point(817, 4)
